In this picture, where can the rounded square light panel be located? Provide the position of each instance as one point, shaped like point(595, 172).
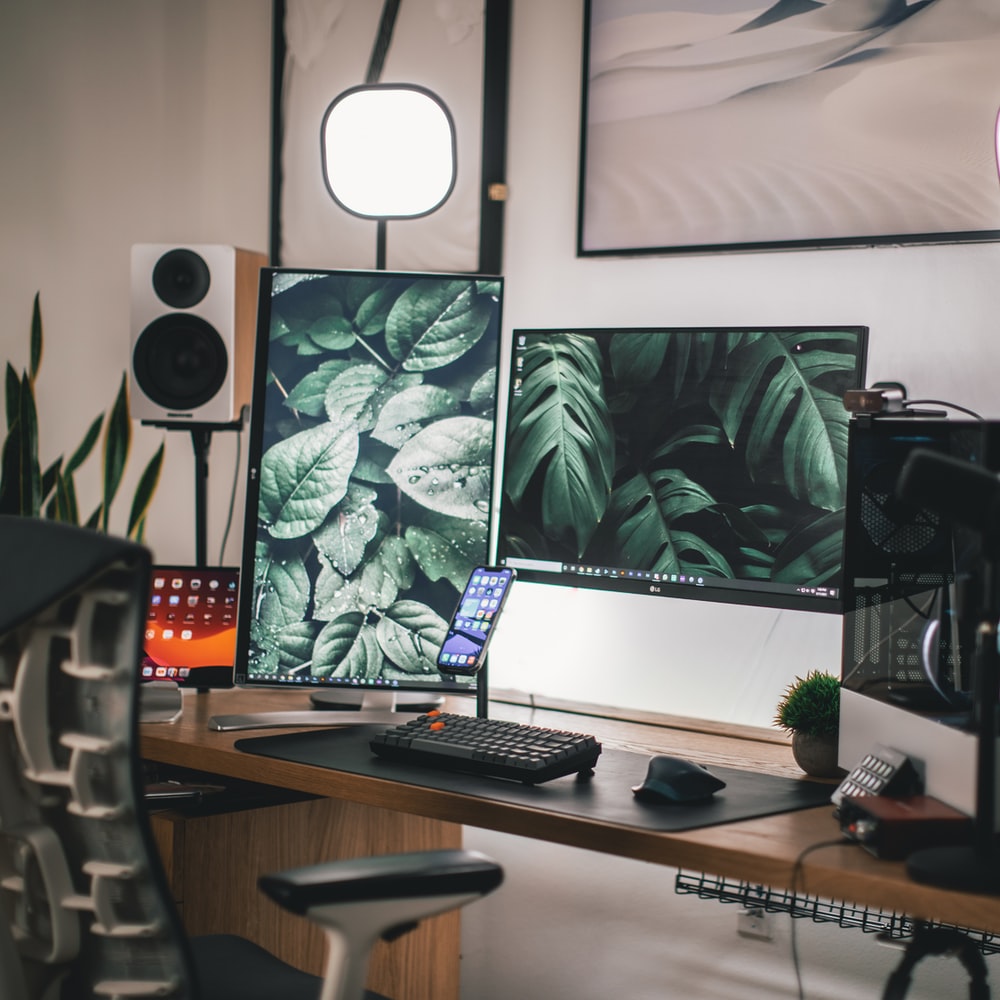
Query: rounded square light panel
point(388, 151)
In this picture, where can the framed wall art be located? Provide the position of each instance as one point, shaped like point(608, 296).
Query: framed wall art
point(747, 125)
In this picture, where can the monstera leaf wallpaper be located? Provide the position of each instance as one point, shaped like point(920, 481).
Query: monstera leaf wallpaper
point(716, 453)
point(375, 470)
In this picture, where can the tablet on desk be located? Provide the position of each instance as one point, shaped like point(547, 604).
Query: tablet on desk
point(190, 634)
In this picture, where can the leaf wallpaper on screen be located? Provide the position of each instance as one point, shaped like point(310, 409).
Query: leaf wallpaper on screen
point(375, 473)
point(723, 454)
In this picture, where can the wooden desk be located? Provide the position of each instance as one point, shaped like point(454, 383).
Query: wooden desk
point(361, 815)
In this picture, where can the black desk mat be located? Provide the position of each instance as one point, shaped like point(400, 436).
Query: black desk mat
point(606, 796)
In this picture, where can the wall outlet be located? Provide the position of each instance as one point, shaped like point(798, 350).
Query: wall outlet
point(755, 923)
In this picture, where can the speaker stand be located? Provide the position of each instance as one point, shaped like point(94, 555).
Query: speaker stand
point(201, 439)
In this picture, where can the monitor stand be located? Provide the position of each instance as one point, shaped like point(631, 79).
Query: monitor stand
point(374, 699)
point(356, 709)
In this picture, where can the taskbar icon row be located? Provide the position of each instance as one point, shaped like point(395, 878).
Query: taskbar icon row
point(639, 575)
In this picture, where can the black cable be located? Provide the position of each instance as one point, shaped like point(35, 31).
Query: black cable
point(796, 874)
point(382, 41)
point(232, 498)
point(942, 402)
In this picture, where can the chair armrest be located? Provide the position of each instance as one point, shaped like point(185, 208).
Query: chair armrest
point(390, 876)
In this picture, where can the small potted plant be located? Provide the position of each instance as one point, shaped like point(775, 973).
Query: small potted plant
point(810, 711)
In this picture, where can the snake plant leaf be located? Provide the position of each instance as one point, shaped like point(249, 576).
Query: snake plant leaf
point(86, 446)
point(27, 491)
point(447, 467)
point(562, 432)
point(409, 410)
point(410, 634)
point(36, 337)
point(143, 497)
point(432, 325)
point(302, 478)
point(12, 394)
point(50, 477)
point(117, 440)
point(20, 473)
point(62, 505)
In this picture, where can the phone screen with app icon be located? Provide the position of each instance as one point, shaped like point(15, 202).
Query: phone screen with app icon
point(474, 622)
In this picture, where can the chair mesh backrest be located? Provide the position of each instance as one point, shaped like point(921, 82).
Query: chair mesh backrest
point(83, 904)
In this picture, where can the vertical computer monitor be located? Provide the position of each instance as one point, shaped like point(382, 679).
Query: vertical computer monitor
point(369, 479)
point(686, 462)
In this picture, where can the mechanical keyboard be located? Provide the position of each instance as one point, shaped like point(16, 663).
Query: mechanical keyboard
point(491, 747)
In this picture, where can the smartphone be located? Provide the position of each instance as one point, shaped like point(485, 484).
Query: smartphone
point(475, 620)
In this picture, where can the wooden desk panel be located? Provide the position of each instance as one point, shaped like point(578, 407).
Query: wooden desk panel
point(217, 860)
point(760, 851)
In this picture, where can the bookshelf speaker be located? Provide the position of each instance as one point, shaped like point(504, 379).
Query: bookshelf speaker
point(193, 320)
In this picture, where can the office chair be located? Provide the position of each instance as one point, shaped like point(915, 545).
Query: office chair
point(85, 909)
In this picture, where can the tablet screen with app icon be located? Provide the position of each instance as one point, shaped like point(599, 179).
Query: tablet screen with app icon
point(190, 628)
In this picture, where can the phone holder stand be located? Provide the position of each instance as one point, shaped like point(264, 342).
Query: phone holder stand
point(483, 691)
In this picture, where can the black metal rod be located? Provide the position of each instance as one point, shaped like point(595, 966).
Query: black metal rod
point(200, 439)
point(482, 692)
point(986, 727)
point(383, 40)
point(380, 230)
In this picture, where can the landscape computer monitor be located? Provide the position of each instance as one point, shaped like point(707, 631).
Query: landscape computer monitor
point(685, 462)
point(369, 479)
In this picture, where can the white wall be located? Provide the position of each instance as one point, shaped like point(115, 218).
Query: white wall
point(125, 123)
point(129, 122)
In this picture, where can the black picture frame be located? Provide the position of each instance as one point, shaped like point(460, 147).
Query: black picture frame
point(700, 132)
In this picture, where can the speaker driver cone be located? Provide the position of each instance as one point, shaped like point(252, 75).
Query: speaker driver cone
point(181, 278)
point(180, 361)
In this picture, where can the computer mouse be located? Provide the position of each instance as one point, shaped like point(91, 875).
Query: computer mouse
point(676, 780)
